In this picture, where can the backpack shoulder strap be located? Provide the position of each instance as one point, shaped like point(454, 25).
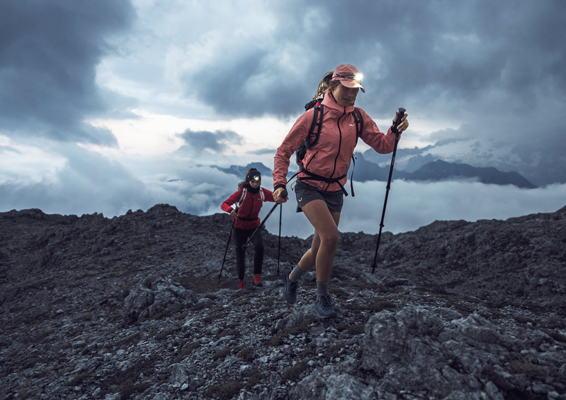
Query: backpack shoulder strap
point(359, 121)
point(262, 195)
point(314, 131)
point(316, 125)
point(242, 197)
point(359, 127)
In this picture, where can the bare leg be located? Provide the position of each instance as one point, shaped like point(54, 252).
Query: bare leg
point(325, 240)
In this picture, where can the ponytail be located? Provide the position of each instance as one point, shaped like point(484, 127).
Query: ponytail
point(325, 85)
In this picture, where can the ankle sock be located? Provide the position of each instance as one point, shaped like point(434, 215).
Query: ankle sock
point(321, 289)
point(296, 273)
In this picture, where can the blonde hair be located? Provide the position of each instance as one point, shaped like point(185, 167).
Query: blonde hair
point(325, 85)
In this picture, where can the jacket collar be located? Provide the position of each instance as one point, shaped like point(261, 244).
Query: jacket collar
point(251, 189)
point(329, 101)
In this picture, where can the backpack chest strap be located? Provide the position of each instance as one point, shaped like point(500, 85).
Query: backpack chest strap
point(314, 177)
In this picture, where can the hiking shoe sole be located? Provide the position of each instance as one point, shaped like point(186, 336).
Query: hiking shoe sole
point(289, 288)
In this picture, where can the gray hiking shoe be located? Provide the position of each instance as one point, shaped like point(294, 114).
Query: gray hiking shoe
point(323, 307)
point(289, 288)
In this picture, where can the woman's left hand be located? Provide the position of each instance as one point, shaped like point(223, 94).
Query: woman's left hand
point(277, 196)
point(404, 122)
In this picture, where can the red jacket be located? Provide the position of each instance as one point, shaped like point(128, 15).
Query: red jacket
point(248, 209)
point(332, 155)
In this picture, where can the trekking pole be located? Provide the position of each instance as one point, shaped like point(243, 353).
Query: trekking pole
point(283, 195)
point(394, 129)
point(279, 245)
point(227, 245)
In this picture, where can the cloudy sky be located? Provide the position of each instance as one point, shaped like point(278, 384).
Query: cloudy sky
point(113, 105)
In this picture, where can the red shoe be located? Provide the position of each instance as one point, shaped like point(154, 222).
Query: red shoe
point(257, 280)
point(242, 285)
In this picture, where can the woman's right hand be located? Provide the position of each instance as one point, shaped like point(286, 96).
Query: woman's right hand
point(233, 214)
point(277, 196)
point(403, 125)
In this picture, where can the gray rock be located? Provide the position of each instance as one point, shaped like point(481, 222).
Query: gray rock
point(179, 375)
point(163, 294)
point(453, 311)
point(324, 383)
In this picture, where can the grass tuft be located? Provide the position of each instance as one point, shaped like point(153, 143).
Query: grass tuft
point(247, 354)
point(254, 379)
point(78, 379)
point(185, 352)
point(221, 354)
point(294, 373)
point(224, 392)
point(357, 329)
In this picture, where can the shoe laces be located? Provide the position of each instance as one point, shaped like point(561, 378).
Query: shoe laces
point(325, 301)
point(292, 286)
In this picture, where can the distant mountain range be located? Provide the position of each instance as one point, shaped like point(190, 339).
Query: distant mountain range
point(241, 172)
point(436, 171)
point(430, 171)
point(539, 165)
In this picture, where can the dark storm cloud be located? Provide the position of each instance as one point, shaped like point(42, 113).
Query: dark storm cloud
point(218, 141)
point(463, 60)
point(48, 54)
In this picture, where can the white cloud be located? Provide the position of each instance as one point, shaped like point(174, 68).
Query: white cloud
point(412, 205)
point(90, 182)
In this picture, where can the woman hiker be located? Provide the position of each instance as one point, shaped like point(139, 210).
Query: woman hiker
point(320, 184)
point(249, 199)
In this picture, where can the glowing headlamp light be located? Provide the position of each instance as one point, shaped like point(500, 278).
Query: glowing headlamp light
point(358, 76)
point(256, 178)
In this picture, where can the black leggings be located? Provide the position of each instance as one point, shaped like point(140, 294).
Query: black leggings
point(240, 238)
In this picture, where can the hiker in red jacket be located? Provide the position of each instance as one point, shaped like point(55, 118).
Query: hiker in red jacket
point(248, 199)
point(320, 184)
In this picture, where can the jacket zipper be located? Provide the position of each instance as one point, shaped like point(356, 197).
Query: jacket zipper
point(339, 147)
point(312, 158)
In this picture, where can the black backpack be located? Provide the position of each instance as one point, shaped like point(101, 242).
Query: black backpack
point(312, 140)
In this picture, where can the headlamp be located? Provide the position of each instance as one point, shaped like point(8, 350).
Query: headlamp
point(358, 76)
point(256, 178)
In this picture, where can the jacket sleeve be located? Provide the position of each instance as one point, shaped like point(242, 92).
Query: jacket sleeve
point(268, 195)
point(376, 139)
point(227, 205)
point(292, 141)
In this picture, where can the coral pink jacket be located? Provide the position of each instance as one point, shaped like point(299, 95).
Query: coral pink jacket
point(332, 155)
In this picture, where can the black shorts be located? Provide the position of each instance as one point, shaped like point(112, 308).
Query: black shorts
point(307, 193)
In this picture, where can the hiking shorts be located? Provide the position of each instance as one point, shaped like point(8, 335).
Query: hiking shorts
point(307, 193)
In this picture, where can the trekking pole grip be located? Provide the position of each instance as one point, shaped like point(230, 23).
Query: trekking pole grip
point(400, 113)
point(284, 194)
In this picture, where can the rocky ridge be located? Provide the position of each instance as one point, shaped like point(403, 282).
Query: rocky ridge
point(132, 307)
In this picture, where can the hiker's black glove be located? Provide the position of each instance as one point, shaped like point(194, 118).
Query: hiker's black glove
point(277, 195)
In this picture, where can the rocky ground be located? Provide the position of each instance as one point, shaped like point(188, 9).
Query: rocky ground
point(132, 308)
